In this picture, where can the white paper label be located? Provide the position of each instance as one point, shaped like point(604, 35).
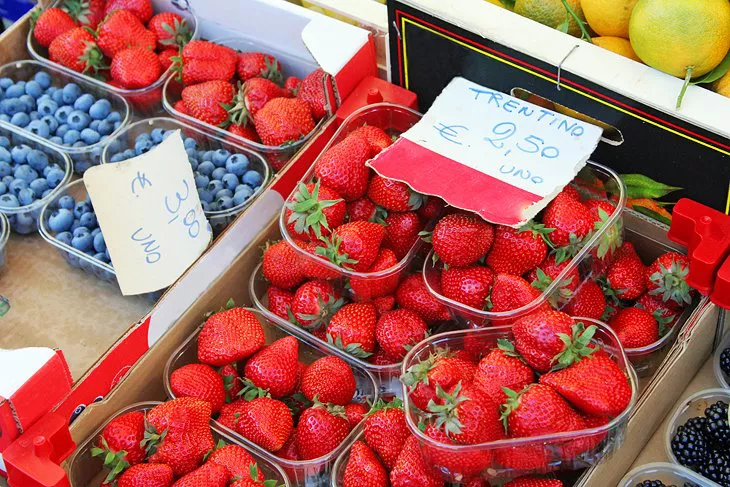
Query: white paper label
point(150, 214)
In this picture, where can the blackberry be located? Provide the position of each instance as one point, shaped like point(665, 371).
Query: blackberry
point(717, 429)
point(689, 446)
point(716, 468)
point(725, 361)
point(653, 483)
point(698, 424)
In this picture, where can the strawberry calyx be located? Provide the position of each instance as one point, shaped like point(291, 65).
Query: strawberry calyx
point(333, 409)
point(354, 349)
point(217, 446)
point(663, 321)
point(271, 72)
point(426, 236)
point(180, 33)
point(115, 461)
point(251, 391)
point(418, 373)
point(229, 305)
point(331, 252)
point(569, 251)
point(537, 229)
point(416, 200)
point(672, 283)
point(445, 415)
point(382, 405)
point(316, 321)
point(238, 114)
point(253, 471)
point(307, 210)
point(556, 299)
point(297, 403)
point(152, 438)
point(78, 10)
point(611, 294)
point(507, 347)
point(611, 240)
point(93, 59)
point(576, 347)
point(510, 404)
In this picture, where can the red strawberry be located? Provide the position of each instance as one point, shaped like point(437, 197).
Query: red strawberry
point(257, 92)
point(412, 470)
point(382, 358)
point(314, 211)
point(201, 381)
point(274, 368)
point(438, 370)
point(538, 410)
point(510, 293)
point(289, 450)
point(229, 336)
point(365, 210)
point(247, 132)
point(231, 381)
point(352, 329)
point(167, 58)
point(667, 312)
point(547, 272)
point(87, 13)
point(312, 267)
point(413, 295)
point(330, 379)
point(539, 337)
point(342, 168)
point(146, 475)
point(172, 30)
point(363, 468)
point(467, 285)
point(635, 327)
point(376, 138)
point(601, 211)
point(180, 107)
point(282, 121)
point(355, 412)
point(531, 481)
point(119, 442)
point(266, 422)
point(398, 330)
point(502, 367)
point(122, 30)
point(367, 289)
point(135, 68)
point(393, 195)
point(205, 101)
point(625, 276)
point(588, 301)
point(253, 65)
point(141, 8)
point(383, 305)
point(385, 430)
point(432, 208)
point(461, 239)
point(667, 277)
point(314, 303)
point(280, 265)
point(279, 301)
point(51, 23)
point(236, 460)
point(517, 251)
point(321, 429)
point(568, 217)
point(401, 232)
point(202, 61)
point(230, 413)
point(209, 475)
point(312, 92)
point(293, 85)
point(76, 49)
point(354, 245)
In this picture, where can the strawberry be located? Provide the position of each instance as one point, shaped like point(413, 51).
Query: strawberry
point(667, 277)
point(588, 301)
point(279, 301)
point(667, 312)
point(201, 381)
point(411, 469)
point(293, 85)
point(314, 303)
point(517, 252)
point(312, 267)
point(202, 61)
point(209, 475)
point(119, 443)
point(167, 58)
point(255, 93)
point(625, 276)
point(135, 68)
point(121, 30)
point(502, 367)
point(438, 370)
point(467, 285)
point(330, 379)
point(541, 336)
point(413, 295)
point(382, 358)
point(253, 65)
point(570, 219)
point(365, 210)
point(207, 101)
point(172, 30)
point(342, 168)
point(367, 289)
point(383, 305)
point(548, 271)
point(461, 239)
point(230, 413)
point(236, 460)
point(312, 92)
point(363, 468)
point(355, 412)
point(321, 429)
point(141, 8)
point(180, 107)
point(354, 245)
point(283, 121)
point(231, 381)
point(289, 450)
point(146, 475)
point(538, 410)
point(77, 49)
point(314, 211)
point(401, 232)
point(398, 330)
point(253, 478)
point(247, 132)
point(88, 13)
point(510, 293)
point(531, 481)
point(635, 327)
point(274, 368)
point(280, 265)
point(51, 23)
point(266, 422)
point(376, 138)
point(393, 195)
point(352, 329)
point(385, 430)
point(229, 336)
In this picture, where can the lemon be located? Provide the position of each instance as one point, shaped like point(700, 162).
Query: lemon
point(551, 13)
point(619, 45)
point(681, 37)
point(609, 17)
point(722, 86)
point(496, 2)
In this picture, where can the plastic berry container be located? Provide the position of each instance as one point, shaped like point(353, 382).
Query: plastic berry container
point(218, 219)
point(338, 470)
point(26, 219)
point(146, 101)
point(4, 235)
point(605, 439)
point(667, 473)
point(721, 377)
point(82, 157)
point(304, 472)
point(277, 156)
point(83, 469)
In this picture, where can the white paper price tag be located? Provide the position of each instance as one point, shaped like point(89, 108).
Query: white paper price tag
point(150, 214)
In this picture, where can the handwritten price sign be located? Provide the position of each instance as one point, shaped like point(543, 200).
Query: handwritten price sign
point(150, 215)
point(488, 152)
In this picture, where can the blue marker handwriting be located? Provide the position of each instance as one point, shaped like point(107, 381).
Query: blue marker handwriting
point(140, 180)
point(174, 206)
point(150, 247)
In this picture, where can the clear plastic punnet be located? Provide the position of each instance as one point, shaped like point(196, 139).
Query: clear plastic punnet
point(313, 472)
point(87, 471)
point(4, 235)
point(667, 473)
point(722, 378)
point(514, 457)
point(218, 219)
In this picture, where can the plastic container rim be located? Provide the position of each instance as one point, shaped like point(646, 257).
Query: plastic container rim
point(680, 471)
point(719, 374)
point(4, 231)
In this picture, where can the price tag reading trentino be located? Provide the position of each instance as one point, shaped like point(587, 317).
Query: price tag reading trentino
point(151, 217)
point(487, 152)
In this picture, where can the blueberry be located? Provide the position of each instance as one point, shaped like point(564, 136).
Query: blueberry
point(78, 120)
point(39, 186)
point(204, 194)
point(242, 195)
point(214, 186)
point(5, 169)
point(101, 256)
point(25, 222)
point(157, 135)
point(33, 89)
point(129, 153)
point(220, 156)
point(57, 96)
point(37, 160)
point(118, 157)
point(114, 117)
point(117, 125)
point(8, 180)
point(11, 106)
point(206, 168)
point(20, 119)
point(16, 90)
point(82, 207)
point(89, 220)
point(71, 136)
point(55, 177)
point(4, 157)
point(47, 107)
point(230, 181)
point(65, 237)
point(9, 201)
point(237, 164)
point(193, 163)
point(143, 146)
point(34, 115)
point(201, 180)
point(224, 192)
point(167, 134)
point(66, 202)
point(3, 188)
point(61, 130)
point(252, 178)
point(90, 136)
point(28, 101)
point(25, 172)
point(205, 205)
point(46, 192)
point(43, 79)
point(190, 143)
point(84, 102)
point(62, 114)
point(207, 155)
point(70, 93)
point(17, 186)
point(61, 220)
point(224, 203)
point(26, 196)
point(100, 109)
point(4, 117)
point(95, 232)
point(218, 173)
point(6, 83)
point(82, 165)
point(94, 125)
point(79, 229)
point(76, 224)
point(82, 241)
point(104, 127)
point(56, 140)
point(4, 142)
point(40, 128)
point(51, 122)
point(99, 243)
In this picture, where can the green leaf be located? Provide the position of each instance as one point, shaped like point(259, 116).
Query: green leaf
point(565, 25)
point(652, 214)
point(640, 186)
point(717, 73)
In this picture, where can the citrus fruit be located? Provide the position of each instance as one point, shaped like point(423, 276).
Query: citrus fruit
point(722, 86)
point(609, 17)
point(551, 13)
point(619, 45)
point(496, 2)
point(684, 38)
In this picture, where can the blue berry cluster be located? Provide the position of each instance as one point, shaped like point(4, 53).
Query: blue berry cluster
point(74, 223)
point(224, 180)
